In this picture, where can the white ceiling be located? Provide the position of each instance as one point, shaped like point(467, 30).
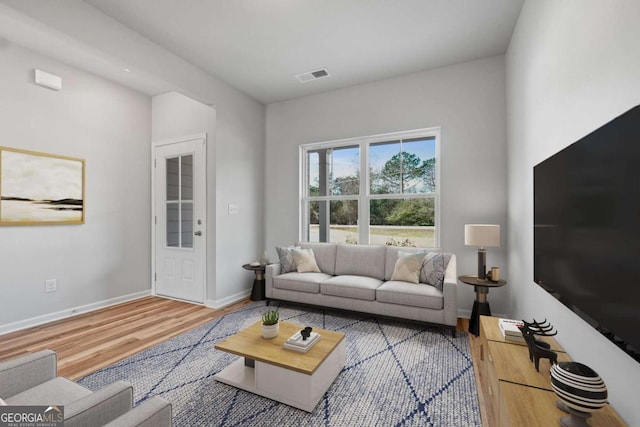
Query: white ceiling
point(259, 46)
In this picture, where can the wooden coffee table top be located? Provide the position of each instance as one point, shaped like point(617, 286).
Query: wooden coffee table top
point(250, 344)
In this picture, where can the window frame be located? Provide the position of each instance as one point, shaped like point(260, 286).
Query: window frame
point(364, 195)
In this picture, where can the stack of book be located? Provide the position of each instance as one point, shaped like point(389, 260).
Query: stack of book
point(510, 330)
point(296, 343)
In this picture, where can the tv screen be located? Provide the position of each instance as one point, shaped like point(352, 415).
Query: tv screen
point(587, 229)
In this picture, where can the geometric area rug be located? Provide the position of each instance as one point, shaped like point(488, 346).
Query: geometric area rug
point(397, 373)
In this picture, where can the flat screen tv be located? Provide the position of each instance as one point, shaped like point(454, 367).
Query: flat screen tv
point(587, 229)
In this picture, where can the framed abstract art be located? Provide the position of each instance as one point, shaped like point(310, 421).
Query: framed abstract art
point(40, 188)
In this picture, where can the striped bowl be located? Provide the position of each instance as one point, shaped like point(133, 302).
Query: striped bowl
point(579, 386)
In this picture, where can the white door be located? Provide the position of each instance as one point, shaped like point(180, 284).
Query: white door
point(180, 214)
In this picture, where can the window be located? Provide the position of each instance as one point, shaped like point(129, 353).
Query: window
point(180, 201)
point(380, 189)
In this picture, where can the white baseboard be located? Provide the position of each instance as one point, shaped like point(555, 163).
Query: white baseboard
point(46, 318)
point(223, 302)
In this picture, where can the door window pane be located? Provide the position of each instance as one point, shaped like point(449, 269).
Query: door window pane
point(402, 222)
point(186, 177)
point(186, 224)
point(173, 178)
point(179, 177)
point(173, 225)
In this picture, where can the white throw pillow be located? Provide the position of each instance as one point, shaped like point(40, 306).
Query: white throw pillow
point(2, 402)
point(305, 260)
point(408, 267)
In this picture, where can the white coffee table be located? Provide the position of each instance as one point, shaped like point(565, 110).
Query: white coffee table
point(266, 368)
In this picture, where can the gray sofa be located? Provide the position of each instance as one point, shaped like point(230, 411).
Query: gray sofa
point(358, 278)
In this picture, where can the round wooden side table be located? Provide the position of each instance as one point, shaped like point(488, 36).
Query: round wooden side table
point(480, 305)
point(257, 293)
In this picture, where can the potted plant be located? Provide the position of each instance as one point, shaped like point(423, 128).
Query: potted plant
point(270, 325)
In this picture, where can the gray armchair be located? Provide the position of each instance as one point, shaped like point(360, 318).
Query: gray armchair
point(33, 380)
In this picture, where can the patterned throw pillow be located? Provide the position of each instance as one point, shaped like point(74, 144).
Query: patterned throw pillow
point(305, 260)
point(433, 268)
point(408, 267)
point(287, 264)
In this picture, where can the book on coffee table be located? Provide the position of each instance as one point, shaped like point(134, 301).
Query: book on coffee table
point(296, 343)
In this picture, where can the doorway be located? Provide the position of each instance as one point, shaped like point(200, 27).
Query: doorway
point(179, 188)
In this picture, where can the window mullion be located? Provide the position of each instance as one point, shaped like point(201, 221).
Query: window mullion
point(363, 203)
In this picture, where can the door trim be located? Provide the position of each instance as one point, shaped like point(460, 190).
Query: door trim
point(154, 145)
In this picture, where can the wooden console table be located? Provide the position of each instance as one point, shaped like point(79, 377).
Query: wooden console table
point(515, 394)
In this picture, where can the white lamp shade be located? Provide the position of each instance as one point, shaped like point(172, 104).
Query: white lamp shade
point(484, 235)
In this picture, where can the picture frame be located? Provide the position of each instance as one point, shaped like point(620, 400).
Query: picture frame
point(40, 188)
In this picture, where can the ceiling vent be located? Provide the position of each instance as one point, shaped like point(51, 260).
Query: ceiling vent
point(313, 75)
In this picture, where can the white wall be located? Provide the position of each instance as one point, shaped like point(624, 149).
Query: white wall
point(108, 125)
point(572, 66)
point(85, 37)
point(466, 100)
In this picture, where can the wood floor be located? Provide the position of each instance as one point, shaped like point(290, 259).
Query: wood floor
point(88, 342)
point(91, 341)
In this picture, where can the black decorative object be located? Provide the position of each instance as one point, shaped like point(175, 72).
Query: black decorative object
point(538, 349)
point(306, 332)
point(581, 391)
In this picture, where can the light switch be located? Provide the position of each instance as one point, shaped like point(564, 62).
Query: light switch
point(234, 209)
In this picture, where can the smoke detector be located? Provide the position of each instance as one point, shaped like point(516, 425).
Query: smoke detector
point(313, 75)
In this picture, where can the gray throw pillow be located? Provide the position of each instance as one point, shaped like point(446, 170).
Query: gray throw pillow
point(433, 268)
point(287, 263)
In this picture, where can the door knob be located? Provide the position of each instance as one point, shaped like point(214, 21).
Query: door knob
point(198, 233)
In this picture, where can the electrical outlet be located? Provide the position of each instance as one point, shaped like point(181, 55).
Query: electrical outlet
point(233, 209)
point(50, 285)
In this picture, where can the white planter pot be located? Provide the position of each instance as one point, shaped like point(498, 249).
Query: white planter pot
point(270, 331)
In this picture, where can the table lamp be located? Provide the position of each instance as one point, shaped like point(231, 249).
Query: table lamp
point(482, 235)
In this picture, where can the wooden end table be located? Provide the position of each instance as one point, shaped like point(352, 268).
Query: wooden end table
point(480, 305)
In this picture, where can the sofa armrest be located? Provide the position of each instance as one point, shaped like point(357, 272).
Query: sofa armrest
point(450, 292)
point(155, 412)
point(28, 371)
point(100, 407)
point(271, 271)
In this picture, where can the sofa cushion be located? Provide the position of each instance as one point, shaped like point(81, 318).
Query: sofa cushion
point(357, 287)
point(408, 267)
point(305, 260)
point(416, 295)
point(287, 263)
point(325, 254)
point(391, 256)
point(301, 282)
point(57, 391)
point(360, 260)
point(433, 269)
